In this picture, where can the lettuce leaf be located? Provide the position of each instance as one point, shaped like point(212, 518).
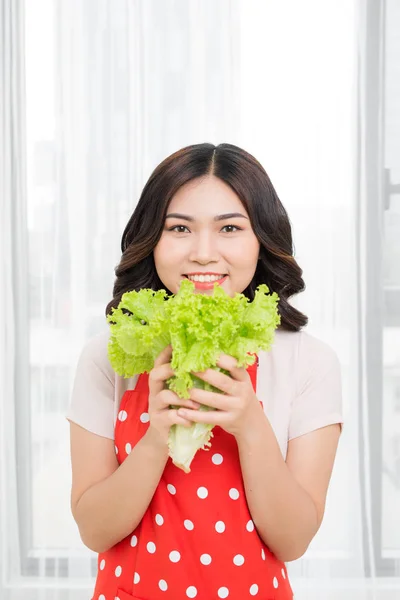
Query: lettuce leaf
point(199, 327)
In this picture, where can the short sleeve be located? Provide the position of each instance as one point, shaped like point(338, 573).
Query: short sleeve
point(318, 399)
point(92, 400)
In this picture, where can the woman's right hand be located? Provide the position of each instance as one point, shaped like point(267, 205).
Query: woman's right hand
point(161, 398)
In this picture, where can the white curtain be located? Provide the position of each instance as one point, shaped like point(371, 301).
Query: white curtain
point(13, 272)
point(113, 87)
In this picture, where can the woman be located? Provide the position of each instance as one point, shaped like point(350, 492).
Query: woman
point(257, 498)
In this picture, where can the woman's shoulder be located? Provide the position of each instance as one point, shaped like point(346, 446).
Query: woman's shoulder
point(95, 363)
point(95, 354)
point(97, 389)
point(303, 354)
point(316, 363)
point(304, 345)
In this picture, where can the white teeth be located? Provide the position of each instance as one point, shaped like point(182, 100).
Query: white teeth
point(205, 278)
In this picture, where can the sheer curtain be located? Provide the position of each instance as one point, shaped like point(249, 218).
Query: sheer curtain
point(111, 89)
point(13, 203)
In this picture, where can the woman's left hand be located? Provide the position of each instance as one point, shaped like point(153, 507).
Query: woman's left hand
point(237, 409)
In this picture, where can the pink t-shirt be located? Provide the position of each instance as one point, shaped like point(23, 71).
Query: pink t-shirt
point(298, 382)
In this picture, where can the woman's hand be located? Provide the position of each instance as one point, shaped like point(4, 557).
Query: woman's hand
point(161, 398)
point(238, 409)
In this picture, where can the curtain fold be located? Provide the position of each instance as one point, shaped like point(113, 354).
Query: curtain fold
point(13, 274)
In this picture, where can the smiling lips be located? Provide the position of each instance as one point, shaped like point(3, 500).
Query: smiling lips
point(206, 281)
point(205, 277)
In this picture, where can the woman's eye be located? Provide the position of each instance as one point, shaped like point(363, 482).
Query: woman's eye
point(232, 227)
point(178, 227)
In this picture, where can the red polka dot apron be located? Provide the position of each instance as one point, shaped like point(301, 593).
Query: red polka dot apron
point(196, 539)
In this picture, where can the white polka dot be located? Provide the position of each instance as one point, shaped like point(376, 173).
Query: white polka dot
point(118, 571)
point(162, 584)
point(116, 449)
point(145, 417)
point(223, 592)
point(116, 598)
point(133, 541)
point(275, 582)
point(233, 493)
point(122, 415)
point(254, 589)
point(202, 492)
point(151, 547)
point(171, 488)
point(159, 520)
point(283, 573)
point(250, 526)
point(217, 459)
point(191, 592)
point(220, 526)
point(136, 578)
point(128, 448)
point(102, 564)
point(188, 524)
point(262, 554)
point(174, 556)
point(205, 559)
point(238, 560)
point(102, 597)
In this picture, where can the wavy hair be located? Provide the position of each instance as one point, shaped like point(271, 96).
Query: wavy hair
point(276, 267)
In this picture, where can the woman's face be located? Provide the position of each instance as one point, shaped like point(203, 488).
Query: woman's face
point(202, 241)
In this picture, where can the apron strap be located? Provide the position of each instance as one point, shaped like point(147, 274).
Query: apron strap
point(252, 371)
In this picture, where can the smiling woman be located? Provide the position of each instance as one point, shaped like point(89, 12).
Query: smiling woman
point(211, 210)
point(210, 214)
point(212, 246)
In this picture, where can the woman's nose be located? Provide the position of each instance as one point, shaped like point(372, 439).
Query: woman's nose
point(204, 249)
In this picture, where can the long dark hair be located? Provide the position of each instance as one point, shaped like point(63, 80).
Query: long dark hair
point(277, 266)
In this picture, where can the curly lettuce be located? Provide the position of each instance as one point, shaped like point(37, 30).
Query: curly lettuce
point(199, 327)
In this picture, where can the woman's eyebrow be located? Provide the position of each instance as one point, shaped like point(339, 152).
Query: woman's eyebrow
point(217, 218)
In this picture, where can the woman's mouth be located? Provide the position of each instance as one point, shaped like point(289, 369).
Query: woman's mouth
point(206, 281)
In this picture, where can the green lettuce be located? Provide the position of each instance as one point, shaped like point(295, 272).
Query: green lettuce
point(199, 327)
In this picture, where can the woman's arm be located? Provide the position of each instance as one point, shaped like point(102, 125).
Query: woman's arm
point(287, 500)
point(109, 500)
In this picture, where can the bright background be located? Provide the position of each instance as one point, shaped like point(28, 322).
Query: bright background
point(94, 95)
